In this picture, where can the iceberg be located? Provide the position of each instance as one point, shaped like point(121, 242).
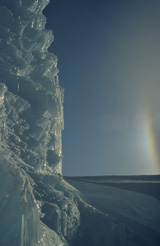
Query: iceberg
point(38, 207)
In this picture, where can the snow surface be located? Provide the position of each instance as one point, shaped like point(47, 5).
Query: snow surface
point(37, 206)
point(139, 213)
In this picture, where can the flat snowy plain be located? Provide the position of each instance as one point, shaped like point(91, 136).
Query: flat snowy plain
point(132, 201)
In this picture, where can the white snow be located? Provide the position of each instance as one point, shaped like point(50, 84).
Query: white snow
point(133, 216)
point(137, 207)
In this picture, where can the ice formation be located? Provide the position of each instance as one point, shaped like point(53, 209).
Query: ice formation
point(31, 120)
point(30, 93)
point(37, 207)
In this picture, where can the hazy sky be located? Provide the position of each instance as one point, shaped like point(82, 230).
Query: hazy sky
point(109, 61)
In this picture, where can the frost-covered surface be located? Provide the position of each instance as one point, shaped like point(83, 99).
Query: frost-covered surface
point(37, 206)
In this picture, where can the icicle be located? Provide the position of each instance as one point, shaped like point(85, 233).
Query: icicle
point(22, 229)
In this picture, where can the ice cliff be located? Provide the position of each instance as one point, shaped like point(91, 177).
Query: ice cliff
point(36, 208)
point(31, 98)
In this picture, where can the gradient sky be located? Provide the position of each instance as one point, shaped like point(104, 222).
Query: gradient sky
point(109, 62)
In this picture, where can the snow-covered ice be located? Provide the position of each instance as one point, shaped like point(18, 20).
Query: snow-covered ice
point(139, 213)
point(37, 206)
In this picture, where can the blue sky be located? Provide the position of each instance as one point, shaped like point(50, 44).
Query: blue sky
point(109, 59)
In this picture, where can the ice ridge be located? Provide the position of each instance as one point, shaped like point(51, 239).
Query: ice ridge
point(36, 208)
point(33, 101)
